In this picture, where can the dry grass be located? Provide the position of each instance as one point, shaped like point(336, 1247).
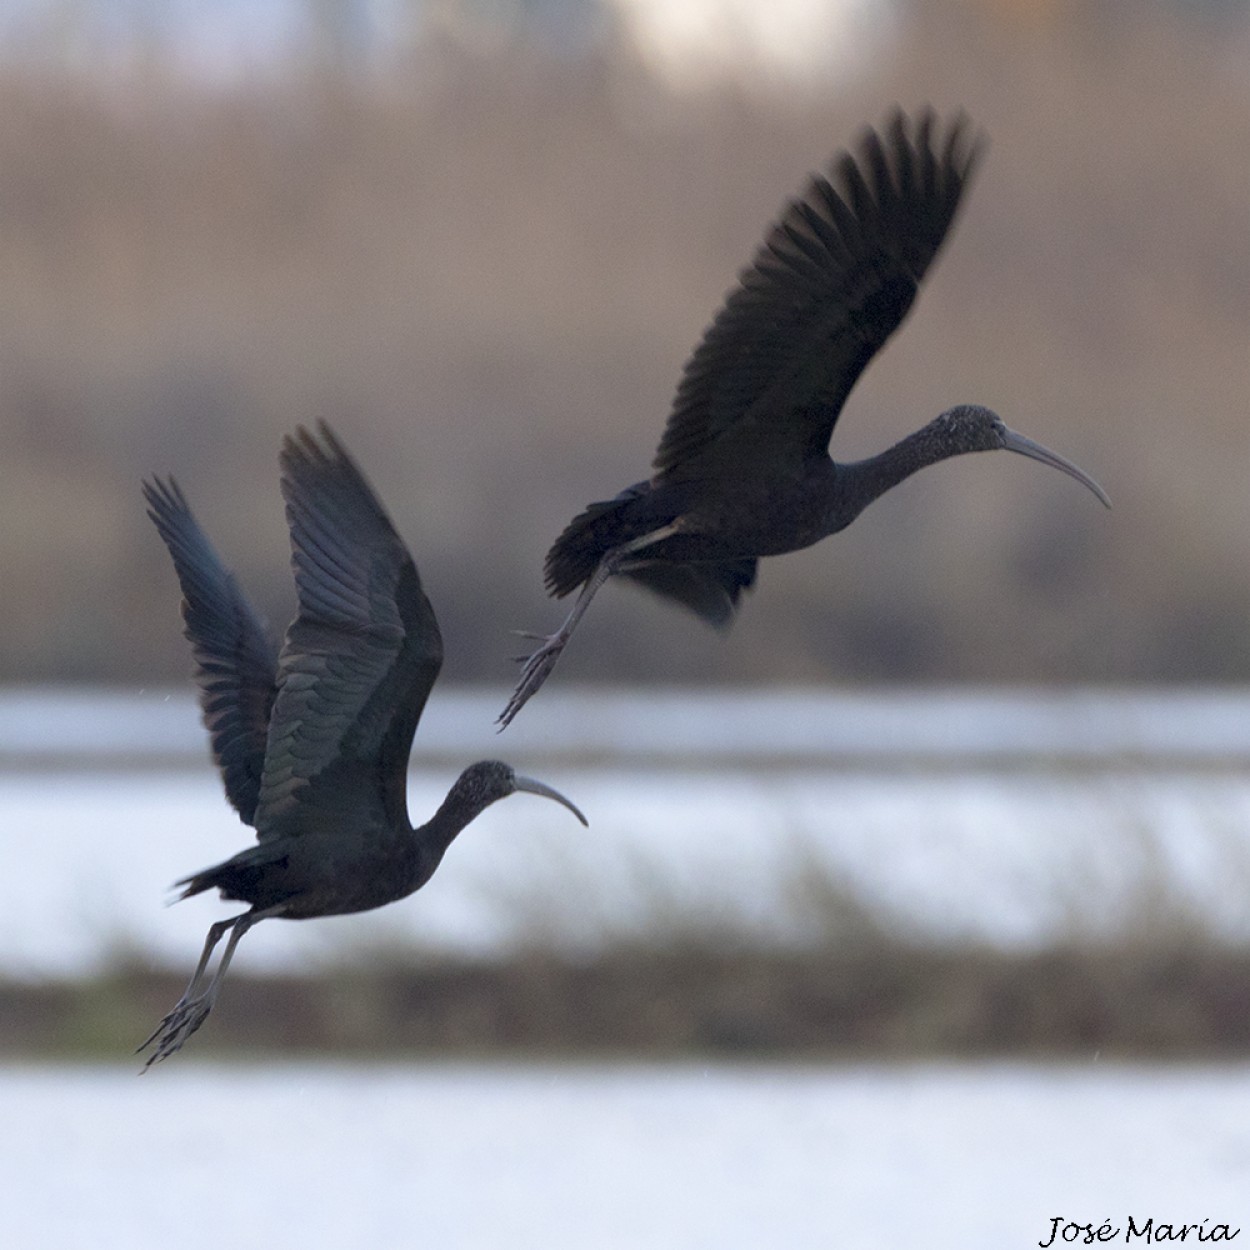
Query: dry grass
point(489, 273)
point(893, 1001)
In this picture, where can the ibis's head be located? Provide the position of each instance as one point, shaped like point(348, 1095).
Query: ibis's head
point(969, 427)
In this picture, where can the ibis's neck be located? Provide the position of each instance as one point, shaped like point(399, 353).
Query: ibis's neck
point(862, 481)
point(457, 812)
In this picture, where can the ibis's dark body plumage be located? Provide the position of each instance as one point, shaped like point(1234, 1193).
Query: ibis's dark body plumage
point(313, 740)
point(743, 468)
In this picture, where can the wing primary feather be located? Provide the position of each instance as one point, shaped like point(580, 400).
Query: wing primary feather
point(832, 280)
point(235, 658)
point(359, 659)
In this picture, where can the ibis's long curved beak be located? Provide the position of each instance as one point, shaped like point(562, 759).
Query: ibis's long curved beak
point(1035, 451)
point(530, 786)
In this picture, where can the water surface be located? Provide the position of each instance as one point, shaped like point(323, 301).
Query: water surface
point(1010, 817)
point(615, 1158)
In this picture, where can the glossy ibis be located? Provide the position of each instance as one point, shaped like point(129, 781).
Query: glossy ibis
point(313, 740)
point(743, 468)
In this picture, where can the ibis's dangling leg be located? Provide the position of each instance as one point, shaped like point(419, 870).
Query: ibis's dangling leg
point(539, 665)
point(192, 1009)
point(215, 933)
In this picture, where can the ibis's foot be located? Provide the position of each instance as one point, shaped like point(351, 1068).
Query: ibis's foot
point(176, 1027)
point(537, 668)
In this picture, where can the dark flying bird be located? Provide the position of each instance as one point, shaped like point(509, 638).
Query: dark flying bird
point(743, 468)
point(313, 741)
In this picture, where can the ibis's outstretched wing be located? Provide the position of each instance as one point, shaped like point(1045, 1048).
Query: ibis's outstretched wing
point(832, 281)
point(235, 658)
point(358, 661)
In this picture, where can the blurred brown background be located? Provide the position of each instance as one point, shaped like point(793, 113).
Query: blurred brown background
point(483, 243)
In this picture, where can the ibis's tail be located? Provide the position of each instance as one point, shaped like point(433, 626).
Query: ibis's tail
point(709, 589)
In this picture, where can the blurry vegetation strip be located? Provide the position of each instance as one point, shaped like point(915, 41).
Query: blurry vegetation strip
point(1141, 961)
point(878, 1000)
